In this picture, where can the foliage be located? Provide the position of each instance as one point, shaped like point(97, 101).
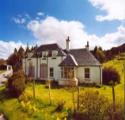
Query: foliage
point(110, 75)
point(99, 54)
point(91, 106)
point(15, 59)
point(2, 61)
point(110, 54)
point(53, 84)
point(16, 83)
point(60, 106)
point(119, 113)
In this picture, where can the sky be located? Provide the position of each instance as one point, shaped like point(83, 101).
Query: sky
point(22, 22)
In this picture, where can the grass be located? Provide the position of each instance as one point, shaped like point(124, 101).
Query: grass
point(41, 110)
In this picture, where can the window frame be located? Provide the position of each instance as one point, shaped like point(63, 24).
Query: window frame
point(87, 73)
point(44, 54)
point(51, 72)
point(54, 54)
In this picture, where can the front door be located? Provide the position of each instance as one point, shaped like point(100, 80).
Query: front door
point(43, 71)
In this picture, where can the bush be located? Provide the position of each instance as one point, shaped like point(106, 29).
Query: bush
point(91, 106)
point(119, 113)
point(60, 106)
point(53, 83)
point(16, 84)
point(110, 75)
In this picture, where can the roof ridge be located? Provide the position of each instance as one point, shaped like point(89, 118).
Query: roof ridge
point(49, 44)
point(77, 49)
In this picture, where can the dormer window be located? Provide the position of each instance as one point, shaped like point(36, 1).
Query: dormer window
point(30, 55)
point(44, 54)
point(54, 54)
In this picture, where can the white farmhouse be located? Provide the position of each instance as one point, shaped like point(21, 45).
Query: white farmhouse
point(67, 66)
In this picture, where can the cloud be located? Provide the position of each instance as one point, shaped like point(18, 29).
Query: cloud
point(7, 48)
point(40, 14)
point(19, 20)
point(114, 9)
point(27, 16)
point(50, 30)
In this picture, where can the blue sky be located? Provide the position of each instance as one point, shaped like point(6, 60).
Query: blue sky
point(46, 21)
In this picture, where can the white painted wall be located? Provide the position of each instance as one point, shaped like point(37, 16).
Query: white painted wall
point(54, 63)
point(95, 75)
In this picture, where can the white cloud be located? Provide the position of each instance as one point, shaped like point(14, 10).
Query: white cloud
point(51, 30)
point(114, 9)
point(27, 16)
point(7, 48)
point(19, 20)
point(40, 14)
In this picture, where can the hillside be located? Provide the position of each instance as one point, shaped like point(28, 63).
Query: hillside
point(111, 53)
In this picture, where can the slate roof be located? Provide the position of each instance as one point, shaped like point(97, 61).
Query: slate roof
point(53, 46)
point(37, 52)
point(74, 57)
point(50, 47)
point(69, 61)
point(84, 57)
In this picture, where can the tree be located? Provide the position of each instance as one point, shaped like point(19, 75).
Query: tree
point(15, 59)
point(111, 77)
point(16, 83)
point(99, 54)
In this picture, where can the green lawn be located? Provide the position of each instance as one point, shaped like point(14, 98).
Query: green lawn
point(41, 110)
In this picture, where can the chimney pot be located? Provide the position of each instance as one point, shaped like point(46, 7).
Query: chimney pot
point(87, 46)
point(67, 44)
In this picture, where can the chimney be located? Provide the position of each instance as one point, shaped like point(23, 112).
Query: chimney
point(87, 46)
point(67, 44)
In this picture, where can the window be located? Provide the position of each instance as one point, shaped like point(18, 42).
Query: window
point(44, 54)
point(67, 72)
point(51, 72)
point(30, 55)
point(87, 73)
point(54, 54)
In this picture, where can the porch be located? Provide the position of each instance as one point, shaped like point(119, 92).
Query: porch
point(68, 76)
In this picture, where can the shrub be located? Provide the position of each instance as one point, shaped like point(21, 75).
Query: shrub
point(91, 106)
point(119, 113)
point(16, 84)
point(53, 83)
point(110, 75)
point(60, 106)
point(24, 97)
